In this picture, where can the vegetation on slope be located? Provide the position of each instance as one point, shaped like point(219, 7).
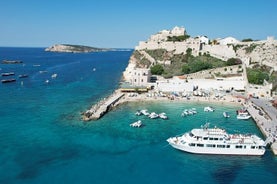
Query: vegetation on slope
point(141, 61)
point(185, 63)
point(177, 38)
point(257, 74)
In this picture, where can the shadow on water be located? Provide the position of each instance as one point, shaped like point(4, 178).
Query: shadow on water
point(227, 174)
point(32, 161)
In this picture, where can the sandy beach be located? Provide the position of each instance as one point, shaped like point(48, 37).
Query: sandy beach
point(152, 97)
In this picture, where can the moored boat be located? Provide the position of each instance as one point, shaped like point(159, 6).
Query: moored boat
point(136, 124)
point(11, 62)
point(163, 115)
point(243, 116)
point(23, 76)
point(7, 74)
point(54, 76)
point(8, 80)
point(217, 141)
point(209, 109)
point(226, 114)
point(145, 112)
point(153, 115)
point(138, 113)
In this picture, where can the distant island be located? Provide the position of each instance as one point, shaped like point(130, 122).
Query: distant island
point(74, 48)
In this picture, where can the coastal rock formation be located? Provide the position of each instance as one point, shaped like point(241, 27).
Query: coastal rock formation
point(74, 48)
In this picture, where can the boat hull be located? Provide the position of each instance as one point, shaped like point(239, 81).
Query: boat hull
point(215, 151)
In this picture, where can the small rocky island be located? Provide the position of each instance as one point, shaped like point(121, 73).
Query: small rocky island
point(74, 48)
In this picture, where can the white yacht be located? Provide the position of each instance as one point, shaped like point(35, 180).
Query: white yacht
point(216, 141)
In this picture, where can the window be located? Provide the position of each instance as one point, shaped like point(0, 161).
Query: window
point(211, 138)
point(238, 146)
point(252, 147)
point(216, 139)
point(200, 145)
point(228, 146)
point(205, 138)
point(191, 144)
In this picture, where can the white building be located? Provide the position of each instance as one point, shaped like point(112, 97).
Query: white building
point(139, 77)
point(228, 40)
point(162, 35)
point(204, 39)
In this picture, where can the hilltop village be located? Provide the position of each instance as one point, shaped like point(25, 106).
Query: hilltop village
point(168, 46)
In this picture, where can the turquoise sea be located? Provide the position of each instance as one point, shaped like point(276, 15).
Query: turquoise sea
point(43, 140)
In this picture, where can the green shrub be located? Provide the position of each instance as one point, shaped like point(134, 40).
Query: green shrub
point(256, 76)
point(177, 38)
point(233, 61)
point(247, 40)
point(157, 69)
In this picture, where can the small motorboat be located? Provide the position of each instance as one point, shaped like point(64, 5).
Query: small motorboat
point(243, 116)
point(185, 113)
point(153, 115)
point(136, 124)
point(209, 109)
point(145, 112)
point(138, 113)
point(11, 62)
point(54, 76)
point(7, 74)
point(163, 115)
point(8, 80)
point(23, 76)
point(226, 114)
point(43, 71)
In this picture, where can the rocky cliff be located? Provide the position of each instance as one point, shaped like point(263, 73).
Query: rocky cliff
point(74, 48)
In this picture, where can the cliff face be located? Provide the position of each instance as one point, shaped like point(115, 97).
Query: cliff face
point(73, 48)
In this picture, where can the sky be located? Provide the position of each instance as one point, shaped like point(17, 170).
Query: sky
point(123, 23)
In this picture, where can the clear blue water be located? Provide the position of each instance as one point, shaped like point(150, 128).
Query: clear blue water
point(43, 140)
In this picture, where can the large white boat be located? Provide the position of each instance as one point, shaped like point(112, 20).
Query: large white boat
point(216, 141)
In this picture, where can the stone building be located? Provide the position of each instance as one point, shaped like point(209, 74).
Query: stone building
point(139, 77)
